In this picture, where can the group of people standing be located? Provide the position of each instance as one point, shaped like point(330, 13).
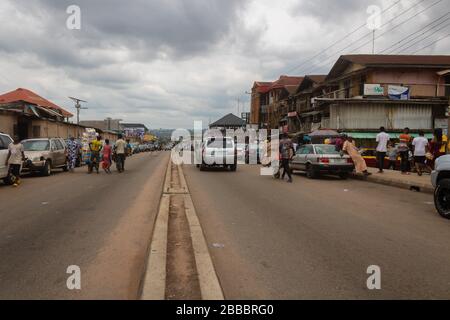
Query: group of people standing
point(415, 152)
point(100, 153)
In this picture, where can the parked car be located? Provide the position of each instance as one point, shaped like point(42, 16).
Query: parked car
point(219, 152)
point(440, 178)
point(44, 155)
point(5, 175)
point(315, 159)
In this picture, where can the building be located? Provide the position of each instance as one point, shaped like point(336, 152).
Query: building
point(108, 124)
point(269, 102)
point(230, 121)
point(301, 114)
point(365, 92)
point(134, 131)
point(360, 94)
point(25, 115)
point(259, 98)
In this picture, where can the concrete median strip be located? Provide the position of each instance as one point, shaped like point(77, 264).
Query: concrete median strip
point(155, 278)
point(155, 283)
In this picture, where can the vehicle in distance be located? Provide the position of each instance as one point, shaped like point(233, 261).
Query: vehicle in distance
point(315, 159)
point(219, 152)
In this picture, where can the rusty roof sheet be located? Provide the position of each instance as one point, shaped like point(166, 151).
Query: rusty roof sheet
point(29, 96)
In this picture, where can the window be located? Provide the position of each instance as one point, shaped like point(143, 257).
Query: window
point(36, 131)
point(447, 87)
point(58, 145)
point(308, 149)
point(361, 85)
point(36, 145)
point(220, 143)
point(326, 149)
point(4, 142)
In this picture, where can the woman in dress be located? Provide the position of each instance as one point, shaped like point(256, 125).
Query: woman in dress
point(107, 157)
point(358, 160)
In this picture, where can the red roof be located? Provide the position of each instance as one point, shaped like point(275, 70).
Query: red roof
point(32, 98)
point(262, 87)
point(286, 81)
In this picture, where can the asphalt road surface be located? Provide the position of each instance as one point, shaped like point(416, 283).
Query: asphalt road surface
point(316, 238)
point(101, 223)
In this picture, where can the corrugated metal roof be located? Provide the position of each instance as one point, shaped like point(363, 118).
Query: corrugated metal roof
point(438, 61)
point(28, 96)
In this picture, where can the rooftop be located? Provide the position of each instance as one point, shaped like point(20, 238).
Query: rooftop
point(30, 97)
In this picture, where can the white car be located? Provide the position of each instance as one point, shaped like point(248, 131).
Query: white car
point(5, 140)
point(219, 152)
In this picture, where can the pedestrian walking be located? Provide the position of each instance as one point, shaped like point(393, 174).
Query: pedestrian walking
point(120, 153)
point(392, 154)
point(404, 150)
point(420, 145)
point(382, 139)
point(358, 160)
point(107, 157)
point(72, 153)
point(95, 147)
point(286, 154)
point(14, 159)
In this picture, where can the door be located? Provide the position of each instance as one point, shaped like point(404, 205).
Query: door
point(447, 86)
point(22, 128)
point(309, 155)
point(60, 153)
point(300, 158)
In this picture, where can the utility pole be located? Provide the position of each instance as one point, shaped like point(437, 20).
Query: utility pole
point(373, 41)
point(78, 107)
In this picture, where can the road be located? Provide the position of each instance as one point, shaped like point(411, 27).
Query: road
point(315, 239)
point(101, 223)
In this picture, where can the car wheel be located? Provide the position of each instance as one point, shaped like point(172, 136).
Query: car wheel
point(233, 167)
point(47, 171)
point(442, 198)
point(9, 180)
point(310, 172)
point(202, 167)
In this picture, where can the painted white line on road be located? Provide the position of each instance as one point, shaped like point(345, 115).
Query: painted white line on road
point(209, 282)
point(154, 287)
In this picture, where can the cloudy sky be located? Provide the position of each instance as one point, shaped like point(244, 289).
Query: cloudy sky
point(167, 63)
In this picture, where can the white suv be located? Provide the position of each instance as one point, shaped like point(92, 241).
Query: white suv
point(219, 152)
point(5, 140)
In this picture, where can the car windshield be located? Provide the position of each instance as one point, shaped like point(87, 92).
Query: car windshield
point(213, 143)
point(326, 149)
point(36, 145)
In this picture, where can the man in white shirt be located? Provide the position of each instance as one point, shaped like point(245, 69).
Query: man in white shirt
point(119, 149)
point(420, 145)
point(382, 139)
point(14, 159)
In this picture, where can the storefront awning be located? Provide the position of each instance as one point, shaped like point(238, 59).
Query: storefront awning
point(373, 135)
